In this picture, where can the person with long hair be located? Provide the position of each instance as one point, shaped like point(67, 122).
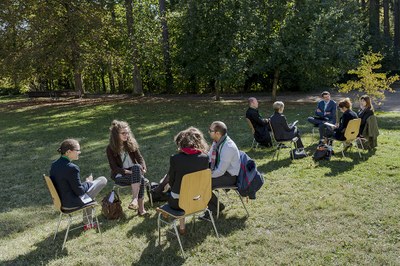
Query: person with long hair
point(67, 181)
point(348, 114)
point(366, 110)
point(127, 163)
point(191, 157)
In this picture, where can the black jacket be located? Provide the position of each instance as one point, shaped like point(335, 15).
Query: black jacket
point(280, 127)
point(344, 120)
point(261, 133)
point(66, 179)
point(182, 164)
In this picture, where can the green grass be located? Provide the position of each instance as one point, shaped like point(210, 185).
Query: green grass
point(343, 211)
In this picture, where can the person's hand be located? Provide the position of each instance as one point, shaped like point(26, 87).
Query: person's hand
point(89, 178)
point(336, 125)
point(319, 110)
point(128, 172)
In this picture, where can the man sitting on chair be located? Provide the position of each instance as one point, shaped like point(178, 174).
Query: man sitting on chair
point(224, 161)
point(325, 112)
point(282, 131)
point(261, 133)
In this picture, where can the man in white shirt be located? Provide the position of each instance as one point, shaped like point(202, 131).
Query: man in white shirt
point(224, 160)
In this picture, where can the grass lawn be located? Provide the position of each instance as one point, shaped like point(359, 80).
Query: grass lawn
point(343, 211)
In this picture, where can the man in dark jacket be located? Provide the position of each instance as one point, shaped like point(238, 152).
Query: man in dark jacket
point(260, 125)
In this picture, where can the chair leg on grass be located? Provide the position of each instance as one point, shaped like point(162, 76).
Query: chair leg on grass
point(213, 223)
point(177, 236)
point(66, 233)
point(58, 225)
point(244, 206)
point(159, 229)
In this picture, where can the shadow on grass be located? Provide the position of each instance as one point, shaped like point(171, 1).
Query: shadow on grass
point(168, 250)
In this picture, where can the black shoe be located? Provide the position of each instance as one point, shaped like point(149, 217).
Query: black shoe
point(205, 217)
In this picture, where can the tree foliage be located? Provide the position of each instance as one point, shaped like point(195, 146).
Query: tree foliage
point(369, 80)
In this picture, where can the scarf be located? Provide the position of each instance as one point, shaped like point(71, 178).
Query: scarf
point(215, 151)
point(190, 151)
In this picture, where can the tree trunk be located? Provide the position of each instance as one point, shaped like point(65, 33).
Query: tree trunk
point(217, 85)
point(374, 23)
point(137, 79)
point(363, 4)
point(111, 77)
point(386, 25)
point(275, 84)
point(396, 38)
point(165, 44)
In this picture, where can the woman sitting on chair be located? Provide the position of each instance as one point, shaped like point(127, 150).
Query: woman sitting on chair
point(67, 181)
point(282, 131)
point(366, 110)
point(126, 163)
point(348, 114)
point(191, 157)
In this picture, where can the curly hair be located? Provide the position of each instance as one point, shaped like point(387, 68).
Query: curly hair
point(346, 102)
point(117, 146)
point(191, 138)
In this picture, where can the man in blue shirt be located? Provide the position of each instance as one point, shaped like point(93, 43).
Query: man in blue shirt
point(325, 112)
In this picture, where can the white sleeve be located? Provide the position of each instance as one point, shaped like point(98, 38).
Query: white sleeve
point(227, 154)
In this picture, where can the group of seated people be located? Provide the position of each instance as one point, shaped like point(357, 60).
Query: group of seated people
point(325, 119)
point(128, 167)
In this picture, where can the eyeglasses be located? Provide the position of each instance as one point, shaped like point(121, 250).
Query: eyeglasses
point(124, 133)
point(77, 150)
point(210, 130)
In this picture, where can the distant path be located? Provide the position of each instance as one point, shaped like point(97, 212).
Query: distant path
point(391, 103)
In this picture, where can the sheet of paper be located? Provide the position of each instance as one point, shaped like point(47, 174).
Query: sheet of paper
point(85, 198)
point(329, 124)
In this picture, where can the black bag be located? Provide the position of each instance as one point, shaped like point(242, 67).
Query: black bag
point(111, 206)
point(156, 193)
point(323, 152)
point(294, 154)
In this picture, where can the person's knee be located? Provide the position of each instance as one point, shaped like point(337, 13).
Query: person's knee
point(102, 181)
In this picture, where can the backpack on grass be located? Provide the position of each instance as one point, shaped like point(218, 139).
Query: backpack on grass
point(323, 152)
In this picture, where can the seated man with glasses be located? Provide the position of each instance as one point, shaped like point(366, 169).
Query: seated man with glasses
point(224, 161)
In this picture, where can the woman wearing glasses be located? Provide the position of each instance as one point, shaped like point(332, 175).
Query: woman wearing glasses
point(66, 179)
point(126, 163)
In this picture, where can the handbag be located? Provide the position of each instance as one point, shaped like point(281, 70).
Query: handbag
point(111, 206)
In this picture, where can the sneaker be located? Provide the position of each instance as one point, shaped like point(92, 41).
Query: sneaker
point(87, 227)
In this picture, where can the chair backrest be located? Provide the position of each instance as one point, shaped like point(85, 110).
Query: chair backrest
point(53, 193)
point(352, 129)
point(195, 191)
point(272, 131)
point(250, 125)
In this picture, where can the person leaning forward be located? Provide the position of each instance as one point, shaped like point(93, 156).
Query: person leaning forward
point(224, 161)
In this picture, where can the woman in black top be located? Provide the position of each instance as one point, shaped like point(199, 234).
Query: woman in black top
point(191, 157)
point(348, 114)
point(366, 110)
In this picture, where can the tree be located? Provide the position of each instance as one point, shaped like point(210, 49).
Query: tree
point(369, 81)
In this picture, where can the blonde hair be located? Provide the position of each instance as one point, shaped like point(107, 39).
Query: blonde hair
point(278, 106)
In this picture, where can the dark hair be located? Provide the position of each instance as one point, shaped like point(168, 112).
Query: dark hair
point(220, 127)
point(68, 144)
point(367, 99)
point(325, 93)
point(191, 138)
point(130, 145)
point(345, 103)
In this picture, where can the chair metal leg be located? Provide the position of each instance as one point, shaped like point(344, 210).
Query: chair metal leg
point(244, 206)
point(159, 229)
point(66, 233)
point(97, 222)
point(177, 236)
point(58, 225)
point(213, 223)
point(217, 190)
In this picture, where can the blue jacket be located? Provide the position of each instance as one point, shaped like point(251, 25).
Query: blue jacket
point(331, 108)
point(249, 180)
point(66, 178)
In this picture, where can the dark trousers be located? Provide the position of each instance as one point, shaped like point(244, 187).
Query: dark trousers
point(221, 181)
point(324, 131)
point(135, 177)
